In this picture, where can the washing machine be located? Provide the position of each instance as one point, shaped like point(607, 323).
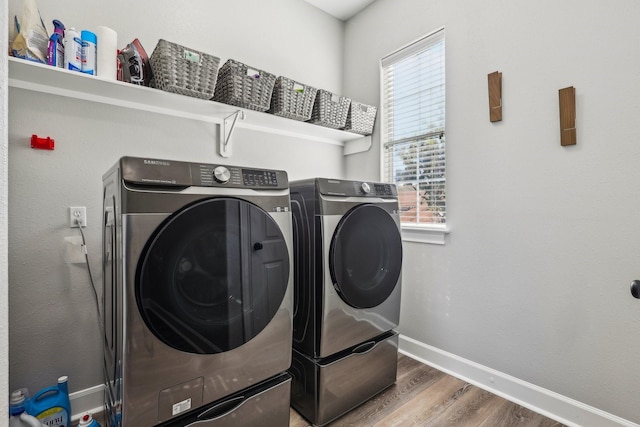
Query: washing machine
point(348, 260)
point(197, 299)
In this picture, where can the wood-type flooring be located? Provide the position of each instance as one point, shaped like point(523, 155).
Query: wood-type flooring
point(424, 396)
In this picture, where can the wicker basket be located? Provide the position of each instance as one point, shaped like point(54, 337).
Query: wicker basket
point(244, 86)
point(330, 110)
point(361, 118)
point(182, 70)
point(292, 100)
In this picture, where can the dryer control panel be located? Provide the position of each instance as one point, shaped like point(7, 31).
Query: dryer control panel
point(336, 187)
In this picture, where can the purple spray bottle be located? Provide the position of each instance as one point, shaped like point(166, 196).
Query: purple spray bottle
point(55, 52)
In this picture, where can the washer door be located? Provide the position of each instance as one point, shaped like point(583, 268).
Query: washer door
point(365, 257)
point(213, 276)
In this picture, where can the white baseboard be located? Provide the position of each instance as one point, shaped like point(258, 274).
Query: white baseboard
point(88, 400)
point(552, 405)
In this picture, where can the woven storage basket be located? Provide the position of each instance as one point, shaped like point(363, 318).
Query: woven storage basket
point(361, 118)
point(241, 85)
point(292, 99)
point(182, 70)
point(330, 110)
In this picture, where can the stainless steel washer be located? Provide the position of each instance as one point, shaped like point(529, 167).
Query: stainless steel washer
point(197, 293)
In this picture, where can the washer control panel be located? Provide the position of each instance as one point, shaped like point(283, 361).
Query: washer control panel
point(177, 174)
point(237, 177)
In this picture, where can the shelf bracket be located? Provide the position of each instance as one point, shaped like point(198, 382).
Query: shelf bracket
point(226, 131)
point(359, 145)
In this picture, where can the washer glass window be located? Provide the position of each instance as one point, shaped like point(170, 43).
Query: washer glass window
point(213, 276)
point(366, 256)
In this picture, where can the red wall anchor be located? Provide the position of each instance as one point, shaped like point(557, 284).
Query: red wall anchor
point(42, 143)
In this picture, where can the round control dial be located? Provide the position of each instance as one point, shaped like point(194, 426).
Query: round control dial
point(366, 189)
point(221, 174)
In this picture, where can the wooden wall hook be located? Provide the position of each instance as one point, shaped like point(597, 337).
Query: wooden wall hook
point(567, 99)
point(495, 96)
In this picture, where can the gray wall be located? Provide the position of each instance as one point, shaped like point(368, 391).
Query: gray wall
point(52, 317)
point(533, 280)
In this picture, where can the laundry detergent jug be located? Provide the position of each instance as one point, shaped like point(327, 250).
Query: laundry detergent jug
point(51, 405)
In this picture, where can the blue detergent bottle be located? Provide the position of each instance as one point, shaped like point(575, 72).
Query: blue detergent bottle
point(51, 405)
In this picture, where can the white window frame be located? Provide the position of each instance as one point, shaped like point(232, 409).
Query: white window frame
point(420, 233)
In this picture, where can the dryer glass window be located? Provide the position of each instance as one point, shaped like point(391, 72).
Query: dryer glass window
point(366, 256)
point(213, 276)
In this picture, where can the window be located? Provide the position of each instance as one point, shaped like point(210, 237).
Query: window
point(413, 130)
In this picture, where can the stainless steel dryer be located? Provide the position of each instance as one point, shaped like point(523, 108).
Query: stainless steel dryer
point(348, 259)
point(348, 255)
point(197, 294)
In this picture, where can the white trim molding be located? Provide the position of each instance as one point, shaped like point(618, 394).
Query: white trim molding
point(548, 403)
point(417, 234)
point(88, 400)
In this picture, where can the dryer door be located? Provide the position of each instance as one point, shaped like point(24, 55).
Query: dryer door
point(365, 257)
point(212, 276)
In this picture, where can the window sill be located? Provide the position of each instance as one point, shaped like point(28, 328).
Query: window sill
point(432, 234)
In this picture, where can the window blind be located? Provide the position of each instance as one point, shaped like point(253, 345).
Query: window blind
point(413, 134)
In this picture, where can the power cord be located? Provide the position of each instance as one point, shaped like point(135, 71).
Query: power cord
point(95, 298)
point(93, 285)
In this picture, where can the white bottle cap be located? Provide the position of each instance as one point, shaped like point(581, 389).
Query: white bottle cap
point(17, 397)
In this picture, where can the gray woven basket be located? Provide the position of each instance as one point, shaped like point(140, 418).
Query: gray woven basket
point(292, 100)
point(361, 118)
point(244, 86)
point(182, 70)
point(330, 110)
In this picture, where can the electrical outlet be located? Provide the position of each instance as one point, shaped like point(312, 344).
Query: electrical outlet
point(77, 216)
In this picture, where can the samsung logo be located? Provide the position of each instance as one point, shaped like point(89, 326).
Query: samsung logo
point(156, 162)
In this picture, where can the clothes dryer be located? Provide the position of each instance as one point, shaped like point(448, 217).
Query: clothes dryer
point(348, 260)
point(197, 266)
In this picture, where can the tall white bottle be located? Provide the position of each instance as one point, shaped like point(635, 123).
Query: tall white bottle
point(72, 50)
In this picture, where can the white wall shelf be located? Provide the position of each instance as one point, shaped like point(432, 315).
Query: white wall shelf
point(56, 81)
